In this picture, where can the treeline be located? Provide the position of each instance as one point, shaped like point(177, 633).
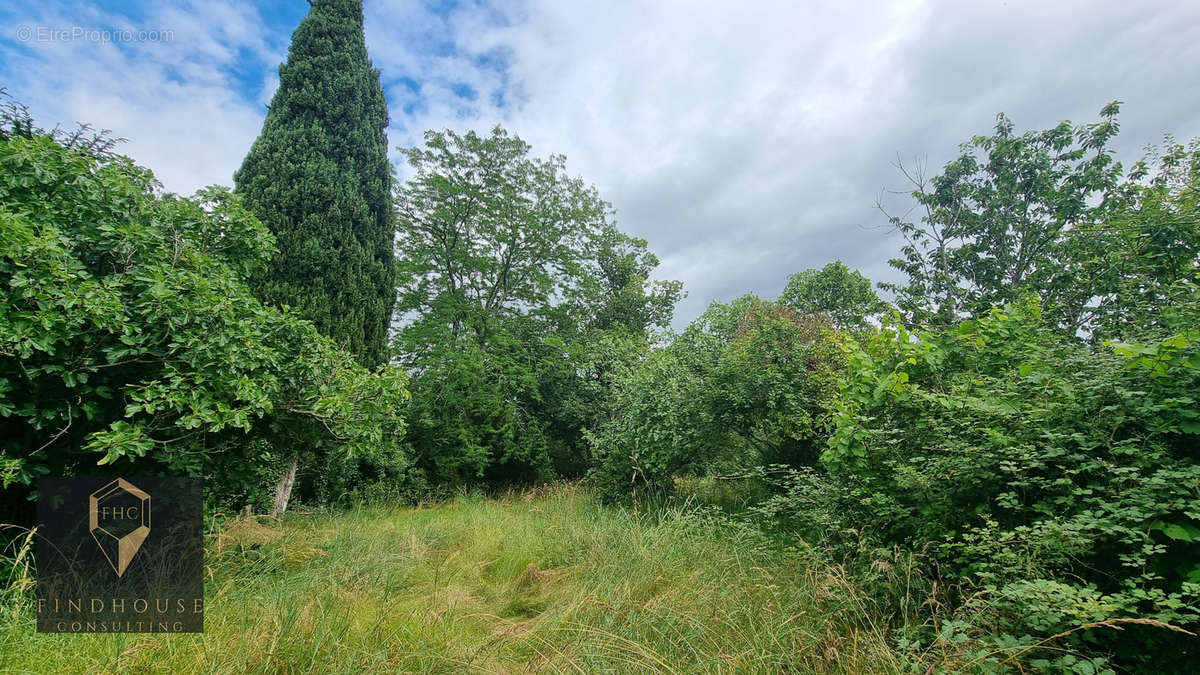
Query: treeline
point(1016, 436)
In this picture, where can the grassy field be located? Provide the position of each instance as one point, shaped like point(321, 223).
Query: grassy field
point(548, 581)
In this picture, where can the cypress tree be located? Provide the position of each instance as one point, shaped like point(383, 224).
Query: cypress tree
point(318, 176)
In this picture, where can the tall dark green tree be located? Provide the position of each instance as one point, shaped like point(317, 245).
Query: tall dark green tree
point(319, 177)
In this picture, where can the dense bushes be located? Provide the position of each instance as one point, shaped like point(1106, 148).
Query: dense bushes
point(1053, 475)
point(1041, 479)
point(1046, 483)
point(470, 412)
point(748, 383)
point(128, 336)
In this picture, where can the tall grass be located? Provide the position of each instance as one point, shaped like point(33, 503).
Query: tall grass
point(545, 581)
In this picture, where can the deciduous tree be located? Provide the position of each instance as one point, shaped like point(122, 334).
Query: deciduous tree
point(842, 294)
point(518, 295)
point(999, 222)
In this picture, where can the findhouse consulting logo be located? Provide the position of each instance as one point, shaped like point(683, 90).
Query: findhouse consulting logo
point(118, 526)
point(120, 555)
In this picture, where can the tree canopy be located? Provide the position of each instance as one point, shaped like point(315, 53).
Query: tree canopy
point(842, 294)
point(318, 176)
point(128, 335)
point(1005, 218)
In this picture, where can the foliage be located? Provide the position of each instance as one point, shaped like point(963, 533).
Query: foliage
point(470, 413)
point(776, 383)
point(747, 383)
point(842, 294)
point(606, 324)
point(1148, 242)
point(575, 383)
point(657, 424)
point(1001, 220)
point(17, 122)
point(519, 297)
point(1055, 476)
point(487, 233)
point(1171, 347)
point(129, 337)
point(616, 292)
point(318, 176)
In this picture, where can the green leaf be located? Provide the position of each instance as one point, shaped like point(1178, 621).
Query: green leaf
point(1181, 531)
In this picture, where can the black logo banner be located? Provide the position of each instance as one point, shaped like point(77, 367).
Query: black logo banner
point(120, 555)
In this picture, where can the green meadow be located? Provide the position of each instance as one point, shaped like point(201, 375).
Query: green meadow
point(544, 581)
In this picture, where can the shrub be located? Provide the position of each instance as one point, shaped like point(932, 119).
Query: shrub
point(1060, 478)
point(128, 335)
point(747, 384)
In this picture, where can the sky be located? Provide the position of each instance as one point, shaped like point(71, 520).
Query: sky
point(745, 141)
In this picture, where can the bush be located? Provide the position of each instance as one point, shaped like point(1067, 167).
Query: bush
point(1059, 478)
point(469, 411)
point(747, 384)
point(128, 336)
point(657, 426)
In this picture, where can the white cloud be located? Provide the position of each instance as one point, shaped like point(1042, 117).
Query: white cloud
point(174, 100)
point(749, 141)
point(745, 141)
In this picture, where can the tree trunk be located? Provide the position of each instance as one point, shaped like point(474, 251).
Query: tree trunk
point(283, 491)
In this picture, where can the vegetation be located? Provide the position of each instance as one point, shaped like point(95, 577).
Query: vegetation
point(996, 473)
point(130, 338)
point(748, 384)
point(542, 581)
point(1046, 475)
point(318, 177)
point(519, 298)
point(842, 294)
point(1049, 476)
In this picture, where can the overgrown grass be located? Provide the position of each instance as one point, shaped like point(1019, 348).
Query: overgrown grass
point(546, 581)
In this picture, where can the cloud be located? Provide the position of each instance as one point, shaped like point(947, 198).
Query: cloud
point(181, 99)
point(746, 142)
